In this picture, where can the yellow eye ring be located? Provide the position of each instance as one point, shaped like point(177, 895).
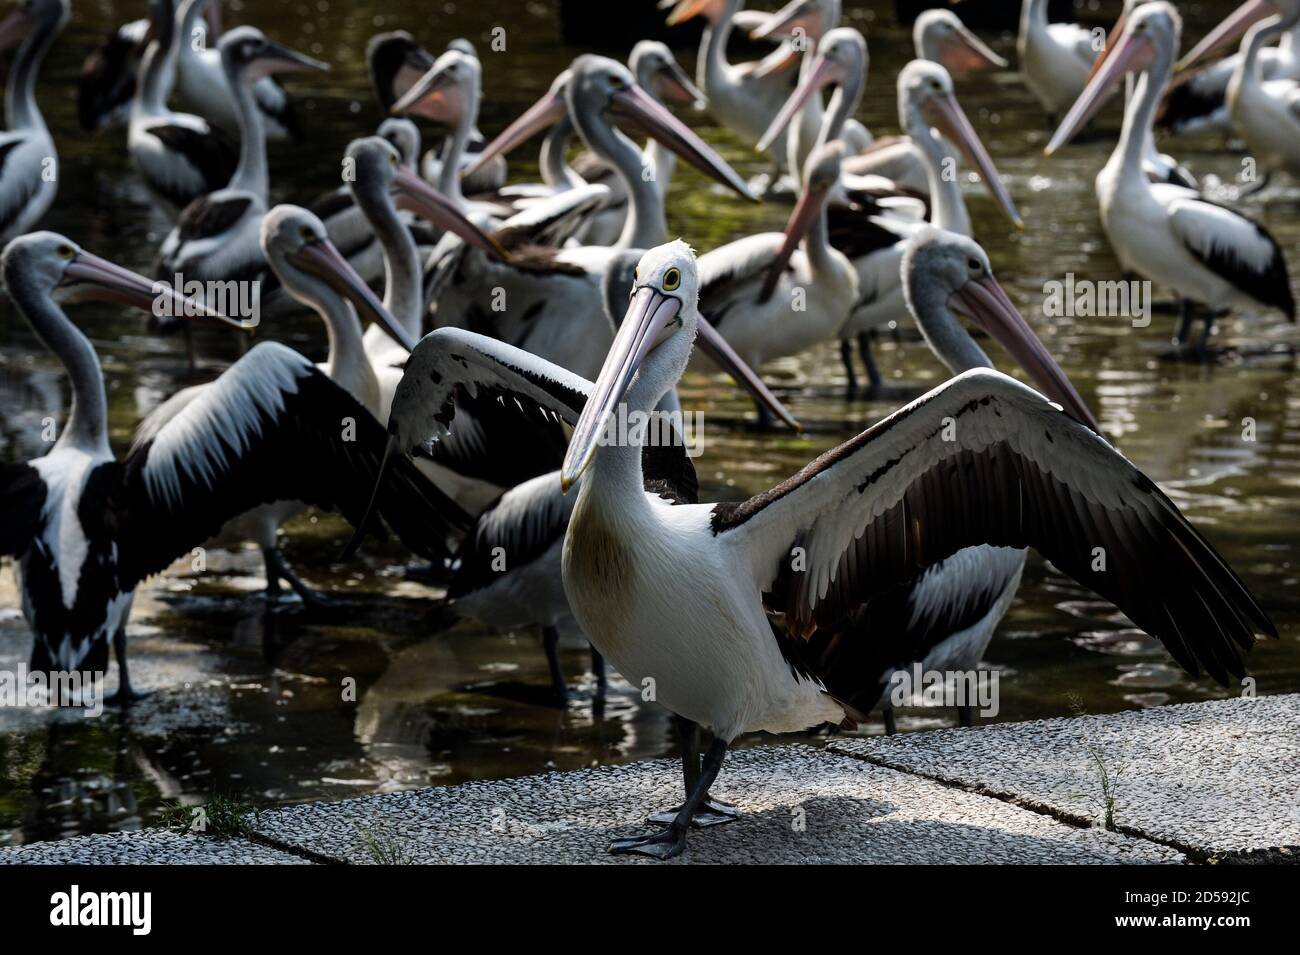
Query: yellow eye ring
point(307, 234)
point(66, 251)
point(672, 280)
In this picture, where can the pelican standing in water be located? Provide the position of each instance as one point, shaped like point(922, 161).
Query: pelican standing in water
point(1212, 257)
point(1055, 58)
point(29, 171)
point(1267, 113)
point(678, 596)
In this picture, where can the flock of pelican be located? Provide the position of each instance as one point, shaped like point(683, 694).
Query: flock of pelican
point(480, 429)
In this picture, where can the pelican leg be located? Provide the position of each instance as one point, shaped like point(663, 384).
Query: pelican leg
point(1184, 322)
point(712, 812)
point(874, 381)
point(763, 421)
point(124, 694)
point(891, 724)
point(551, 643)
point(672, 841)
point(1203, 343)
point(846, 356)
point(277, 569)
point(191, 356)
point(602, 676)
point(965, 716)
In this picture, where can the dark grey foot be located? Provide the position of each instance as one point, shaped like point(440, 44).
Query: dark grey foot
point(277, 569)
point(662, 845)
point(712, 813)
point(602, 677)
point(551, 643)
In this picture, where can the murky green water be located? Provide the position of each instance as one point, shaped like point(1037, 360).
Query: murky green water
point(251, 704)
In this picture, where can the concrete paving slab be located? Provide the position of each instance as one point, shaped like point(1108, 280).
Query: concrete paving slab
point(147, 846)
point(802, 805)
point(1217, 780)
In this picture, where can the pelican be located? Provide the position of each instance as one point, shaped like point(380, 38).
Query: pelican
point(1211, 256)
point(86, 529)
point(874, 243)
point(216, 236)
point(554, 301)
point(677, 597)
point(181, 157)
point(1198, 100)
point(1055, 58)
point(742, 97)
point(203, 87)
point(940, 36)
point(1267, 114)
point(313, 271)
point(28, 161)
point(107, 82)
point(773, 294)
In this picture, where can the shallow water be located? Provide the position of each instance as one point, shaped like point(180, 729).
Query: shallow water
point(249, 703)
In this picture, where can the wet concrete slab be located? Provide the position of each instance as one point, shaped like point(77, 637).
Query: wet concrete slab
point(1217, 780)
point(148, 846)
point(800, 804)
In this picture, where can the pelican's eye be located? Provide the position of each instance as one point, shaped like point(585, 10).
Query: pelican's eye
point(975, 265)
point(66, 251)
point(307, 233)
point(392, 158)
point(672, 280)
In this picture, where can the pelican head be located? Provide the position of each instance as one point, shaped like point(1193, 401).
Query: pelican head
point(378, 171)
point(28, 16)
point(404, 136)
point(313, 271)
point(927, 100)
point(806, 18)
point(712, 10)
point(448, 92)
point(946, 273)
point(841, 61)
point(939, 35)
point(652, 348)
point(49, 265)
point(658, 72)
point(1148, 40)
point(248, 55)
point(396, 62)
point(1229, 32)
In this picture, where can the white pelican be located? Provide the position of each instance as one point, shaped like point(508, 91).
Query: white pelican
point(85, 529)
point(940, 36)
point(774, 294)
point(554, 302)
point(180, 156)
point(202, 84)
point(677, 597)
point(1055, 58)
point(1198, 99)
point(1209, 255)
point(1267, 114)
point(743, 97)
point(313, 271)
point(216, 236)
point(29, 174)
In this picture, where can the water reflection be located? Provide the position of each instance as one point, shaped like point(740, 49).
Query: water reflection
point(258, 704)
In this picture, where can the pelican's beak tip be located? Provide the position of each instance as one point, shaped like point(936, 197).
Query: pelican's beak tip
point(566, 482)
point(1019, 223)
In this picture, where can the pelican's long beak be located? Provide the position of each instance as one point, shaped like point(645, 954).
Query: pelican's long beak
point(1112, 38)
point(945, 114)
point(985, 302)
point(801, 221)
point(432, 96)
point(824, 71)
point(795, 15)
point(1227, 34)
point(89, 276)
point(633, 106)
point(324, 261)
point(680, 88)
point(964, 52)
point(543, 114)
point(1131, 54)
point(15, 27)
point(281, 59)
point(684, 10)
point(416, 195)
point(652, 318)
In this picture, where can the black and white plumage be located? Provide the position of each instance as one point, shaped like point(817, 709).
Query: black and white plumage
point(681, 595)
point(1211, 256)
point(108, 77)
point(216, 237)
point(29, 172)
point(86, 528)
point(180, 156)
